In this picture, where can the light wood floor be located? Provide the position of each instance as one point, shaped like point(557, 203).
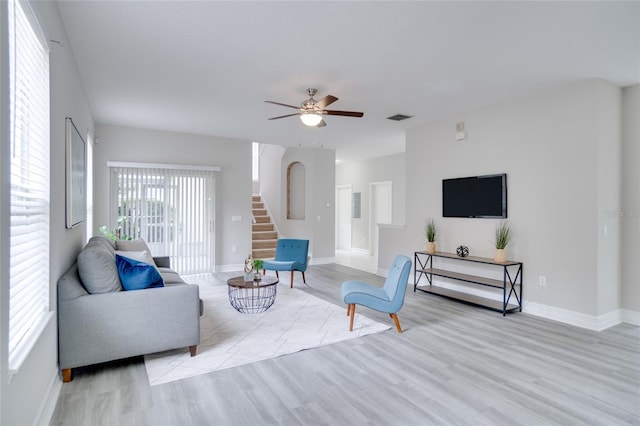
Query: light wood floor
point(454, 365)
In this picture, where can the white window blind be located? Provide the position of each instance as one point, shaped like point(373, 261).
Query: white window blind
point(171, 209)
point(29, 170)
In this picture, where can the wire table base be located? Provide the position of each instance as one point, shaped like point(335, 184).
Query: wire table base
point(252, 297)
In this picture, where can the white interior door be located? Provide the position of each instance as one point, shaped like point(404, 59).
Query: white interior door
point(380, 208)
point(343, 217)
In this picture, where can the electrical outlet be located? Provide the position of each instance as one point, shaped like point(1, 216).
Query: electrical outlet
point(543, 281)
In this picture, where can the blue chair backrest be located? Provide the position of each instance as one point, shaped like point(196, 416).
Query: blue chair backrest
point(396, 284)
point(289, 249)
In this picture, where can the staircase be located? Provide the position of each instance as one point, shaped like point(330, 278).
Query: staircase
point(265, 238)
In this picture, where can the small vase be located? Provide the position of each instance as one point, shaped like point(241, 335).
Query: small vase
point(431, 247)
point(248, 277)
point(500, 256)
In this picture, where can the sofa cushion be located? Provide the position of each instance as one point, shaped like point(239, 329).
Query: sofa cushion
point(136, 275)
point(140, 256)
point(169, 276)
point(132, 245)
point(98, 270)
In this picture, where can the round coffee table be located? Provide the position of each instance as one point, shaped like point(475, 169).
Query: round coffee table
point(252, 297)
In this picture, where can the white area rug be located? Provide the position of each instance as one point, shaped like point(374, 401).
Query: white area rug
point(295, 322)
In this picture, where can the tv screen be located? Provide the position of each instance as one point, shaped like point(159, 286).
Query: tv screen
point(477, 196)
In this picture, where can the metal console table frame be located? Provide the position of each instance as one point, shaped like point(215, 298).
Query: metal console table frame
point(511, 283)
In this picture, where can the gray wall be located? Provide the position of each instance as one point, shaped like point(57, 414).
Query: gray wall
point(319, 222)
point(29, 396)
point(233, 183)
point(629, 215)
point(561, 152)
point(359, 174)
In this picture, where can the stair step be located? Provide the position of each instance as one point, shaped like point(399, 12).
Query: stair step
point(264, 244)
point(262, 219)
point(263, 253)
point(259, 212)
point(260, 227)
point(256, 205)
point(256, 198)
point(265, 235)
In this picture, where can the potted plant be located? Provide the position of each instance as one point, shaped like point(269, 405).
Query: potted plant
point(257, 266)
point(503, 236)
point(430, 233)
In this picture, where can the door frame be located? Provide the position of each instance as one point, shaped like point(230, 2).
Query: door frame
point(373, 223)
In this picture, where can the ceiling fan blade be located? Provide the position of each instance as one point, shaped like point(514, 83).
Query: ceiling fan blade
point(281, 104)
point(283, 116)
point(345, 113)
point(326, 101)
point(321, 124)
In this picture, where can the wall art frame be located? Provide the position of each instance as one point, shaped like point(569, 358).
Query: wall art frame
point(76, 175)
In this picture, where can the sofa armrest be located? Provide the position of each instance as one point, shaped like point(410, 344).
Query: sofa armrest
point(97, 328)
point(162, 261)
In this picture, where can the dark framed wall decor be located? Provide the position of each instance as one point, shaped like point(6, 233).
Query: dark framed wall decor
point(76, 170)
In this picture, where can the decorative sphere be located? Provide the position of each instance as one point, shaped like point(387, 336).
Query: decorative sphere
point(462, 251)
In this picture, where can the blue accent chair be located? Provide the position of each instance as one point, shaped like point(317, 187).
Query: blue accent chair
point(388, 298)
point(291, 255)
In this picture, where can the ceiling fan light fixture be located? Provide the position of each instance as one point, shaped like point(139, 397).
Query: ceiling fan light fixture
point(310, 119)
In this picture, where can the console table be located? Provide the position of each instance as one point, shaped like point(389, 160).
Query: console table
point(511, 283)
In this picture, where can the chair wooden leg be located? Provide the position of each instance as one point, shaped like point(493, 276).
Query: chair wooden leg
point(353, 314)
point(67, 375)
point(304, 280)
point(349, 309)
point(395, 319)
point(292, 278)
point(192, 350)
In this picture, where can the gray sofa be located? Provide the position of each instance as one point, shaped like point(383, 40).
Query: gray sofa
point(98, 321)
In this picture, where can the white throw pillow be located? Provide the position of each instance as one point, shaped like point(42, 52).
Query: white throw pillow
point(141, 256)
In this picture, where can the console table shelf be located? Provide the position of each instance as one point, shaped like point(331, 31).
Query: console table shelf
point(511, 283)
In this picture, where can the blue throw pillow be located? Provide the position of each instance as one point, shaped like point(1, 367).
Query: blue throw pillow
point(136, 275)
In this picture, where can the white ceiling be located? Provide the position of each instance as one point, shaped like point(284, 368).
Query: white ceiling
point(206, 67)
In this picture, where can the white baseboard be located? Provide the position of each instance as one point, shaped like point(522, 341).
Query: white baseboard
point(384, 272)
point(45, 413)
point(578, 319)
point(591, 322)
point(230, 268)
point(322, 260)
point(240, 267)
point(630, 317)
point(361, 251)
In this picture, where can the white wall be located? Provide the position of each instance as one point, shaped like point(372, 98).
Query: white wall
point(550, 146)
point(359, 174)
point(233, 183)
point(319, 165)
point(629, 214)
point(29, 397)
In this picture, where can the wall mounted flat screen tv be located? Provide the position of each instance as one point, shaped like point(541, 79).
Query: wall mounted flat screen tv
point(477, 196)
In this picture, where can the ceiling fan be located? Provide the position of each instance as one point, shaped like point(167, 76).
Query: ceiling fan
point(311, 111)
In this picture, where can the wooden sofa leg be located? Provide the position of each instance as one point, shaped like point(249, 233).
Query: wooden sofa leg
point(397, 321)
point(67, 375)
point(292, 278)
point(304, 280)
point(192, 350)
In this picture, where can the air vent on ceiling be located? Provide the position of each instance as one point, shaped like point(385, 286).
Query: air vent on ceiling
point(399, 117)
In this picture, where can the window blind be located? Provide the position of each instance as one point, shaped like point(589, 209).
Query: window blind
point(29, 180)
point(171, 209)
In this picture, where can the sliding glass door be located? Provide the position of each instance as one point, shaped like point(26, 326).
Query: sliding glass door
point(171, 208)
